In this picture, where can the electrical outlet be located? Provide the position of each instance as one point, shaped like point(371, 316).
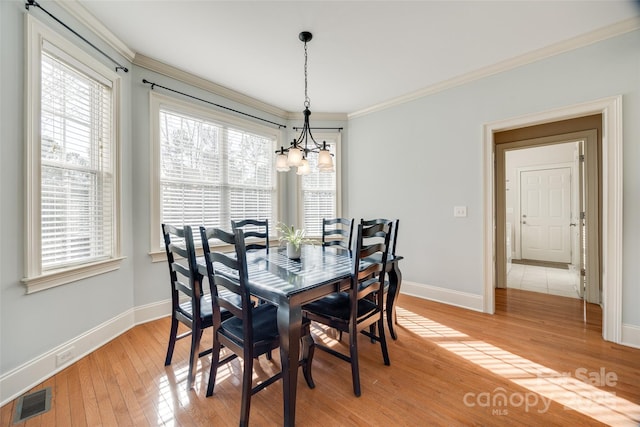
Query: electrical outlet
point(64, 356)
point(460, 211)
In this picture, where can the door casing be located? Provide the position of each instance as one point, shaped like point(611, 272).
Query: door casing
point(610, 110)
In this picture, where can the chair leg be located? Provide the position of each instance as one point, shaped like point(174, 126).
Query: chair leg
point(383, 341)
point(215, 359)
point(391, 320)
point(308, 349)
point(172, 340)
point(247, 375)
point(355, 368)
point(196, 335)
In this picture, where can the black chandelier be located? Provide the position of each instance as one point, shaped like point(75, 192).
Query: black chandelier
point(296, 154)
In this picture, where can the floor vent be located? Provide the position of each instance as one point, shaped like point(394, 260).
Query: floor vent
point(33, 404)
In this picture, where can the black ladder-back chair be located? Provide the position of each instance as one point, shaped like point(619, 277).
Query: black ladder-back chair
point(361, 307)
point(189, 304)
point(389, 299)
point(255, 229)
point(337, 232)
point(253, 330)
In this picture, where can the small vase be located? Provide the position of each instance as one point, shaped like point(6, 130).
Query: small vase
point(293, 252)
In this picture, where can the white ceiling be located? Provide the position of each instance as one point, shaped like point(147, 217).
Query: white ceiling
point(363, 52)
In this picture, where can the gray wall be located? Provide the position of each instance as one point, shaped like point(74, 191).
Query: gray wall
point(425, 157)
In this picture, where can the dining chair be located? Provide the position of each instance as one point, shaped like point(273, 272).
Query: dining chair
point(254, 229)
point(337, 232)
point(189, 304)
point(394, 233)
point(253, 329)
point(392, 251)
point(360, 308)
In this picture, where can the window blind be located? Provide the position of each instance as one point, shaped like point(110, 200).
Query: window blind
point(318, 195)
point(213, 172)
point(77, 194)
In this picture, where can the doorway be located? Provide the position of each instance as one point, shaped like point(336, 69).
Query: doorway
point(544, 202)
point(544, 195)
point(610, 138)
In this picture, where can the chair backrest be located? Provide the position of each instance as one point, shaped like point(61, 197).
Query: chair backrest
point(394, 232)
point(372, 247)
point(337, 232)
point(228, 271)
point(254, 229)
point(185, 279)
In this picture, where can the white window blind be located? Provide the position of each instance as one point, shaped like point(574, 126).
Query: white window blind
point(77, 187)
point(319, 194)
point(212, 172)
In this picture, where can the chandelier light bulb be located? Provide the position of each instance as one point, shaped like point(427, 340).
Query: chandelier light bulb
point(281, 163)
point(324, 158)
point(304, 168)
point(295, 156)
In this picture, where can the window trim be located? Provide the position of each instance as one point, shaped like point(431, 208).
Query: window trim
point(156, 103)
point(35, 280)
point(337, 136)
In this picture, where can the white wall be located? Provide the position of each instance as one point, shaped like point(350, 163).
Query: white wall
point(418, 160)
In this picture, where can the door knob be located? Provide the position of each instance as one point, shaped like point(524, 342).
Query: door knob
point(524, 222)
point(573, 224)
point(524, 216)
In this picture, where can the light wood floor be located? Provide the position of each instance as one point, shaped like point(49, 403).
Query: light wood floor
point(535, 362)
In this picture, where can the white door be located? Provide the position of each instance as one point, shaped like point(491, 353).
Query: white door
point(545, 198)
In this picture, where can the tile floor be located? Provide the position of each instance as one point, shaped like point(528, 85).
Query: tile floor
point(547, 280)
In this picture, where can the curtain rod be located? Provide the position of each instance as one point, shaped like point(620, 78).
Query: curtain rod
point(313, 128)
point(145, 81)
point(34, 3)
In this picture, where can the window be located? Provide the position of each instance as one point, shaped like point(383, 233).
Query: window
point(72, 152)
point(210, 167)
point(319, 190)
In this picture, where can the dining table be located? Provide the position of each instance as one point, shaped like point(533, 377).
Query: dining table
point(291, 283)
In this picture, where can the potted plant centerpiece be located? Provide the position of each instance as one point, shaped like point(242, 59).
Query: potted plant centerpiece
point(294, 238)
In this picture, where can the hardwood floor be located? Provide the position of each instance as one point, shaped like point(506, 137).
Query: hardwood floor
point(539, 360)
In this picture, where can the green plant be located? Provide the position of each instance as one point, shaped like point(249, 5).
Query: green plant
point(289, 234)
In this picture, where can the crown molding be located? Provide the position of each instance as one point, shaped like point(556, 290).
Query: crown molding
point(207, 85)
point(592, 37)
point(78, 11)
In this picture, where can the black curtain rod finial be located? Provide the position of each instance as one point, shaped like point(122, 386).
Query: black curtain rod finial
point(147, 82)
point(35, 4)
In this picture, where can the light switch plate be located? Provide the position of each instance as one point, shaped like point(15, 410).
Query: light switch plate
point(460, 211)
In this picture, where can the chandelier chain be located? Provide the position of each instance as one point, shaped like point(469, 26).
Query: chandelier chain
point(307, 101)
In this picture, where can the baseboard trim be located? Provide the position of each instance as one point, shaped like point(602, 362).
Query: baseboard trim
point(630, 335)
point(24, 377)
point(443, 295)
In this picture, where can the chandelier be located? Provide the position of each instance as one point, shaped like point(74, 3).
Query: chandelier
point(298, 151)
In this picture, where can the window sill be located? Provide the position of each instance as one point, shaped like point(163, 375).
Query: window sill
point(62, 277)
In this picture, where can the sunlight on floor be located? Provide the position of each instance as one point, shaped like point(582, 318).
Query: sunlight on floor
point(545, 384)
point(172, 390)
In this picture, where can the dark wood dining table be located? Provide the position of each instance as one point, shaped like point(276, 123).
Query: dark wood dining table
point(289, 284)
